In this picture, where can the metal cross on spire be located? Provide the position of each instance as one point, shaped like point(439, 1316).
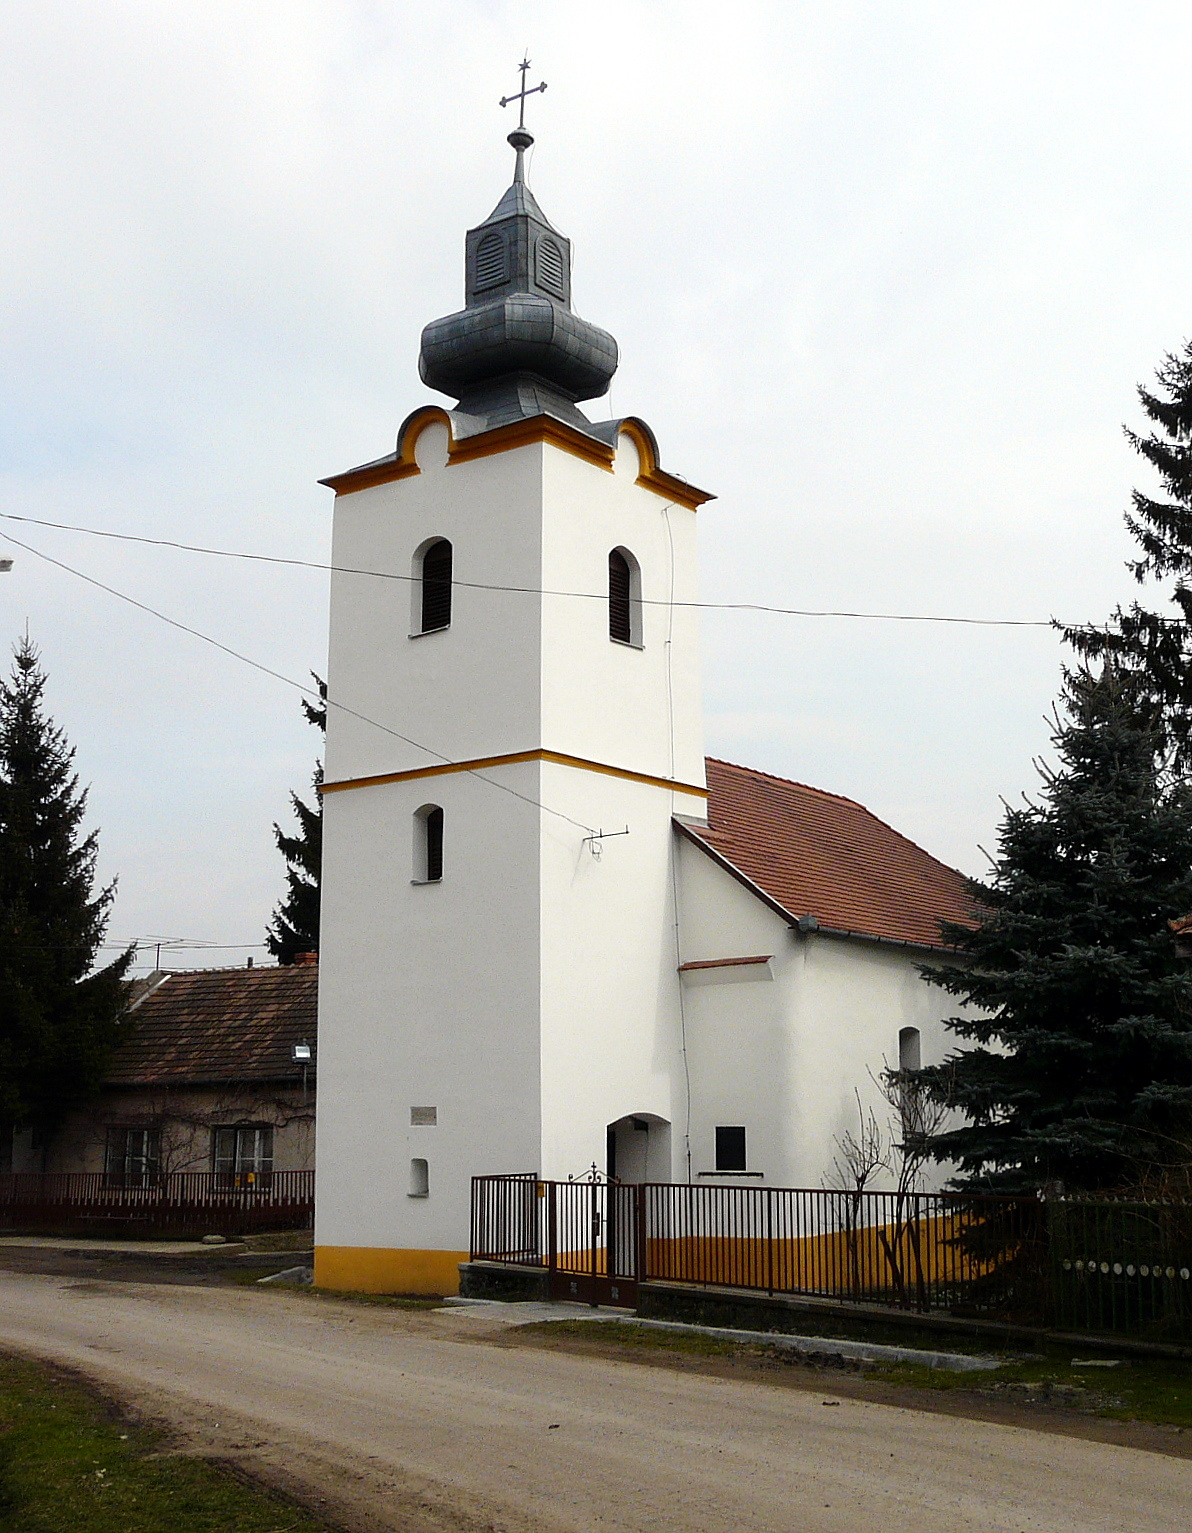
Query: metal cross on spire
point(520, 96)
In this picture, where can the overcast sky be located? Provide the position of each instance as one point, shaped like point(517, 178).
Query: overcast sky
point(884, 275)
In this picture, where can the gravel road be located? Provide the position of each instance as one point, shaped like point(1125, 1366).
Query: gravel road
point(405, 1420)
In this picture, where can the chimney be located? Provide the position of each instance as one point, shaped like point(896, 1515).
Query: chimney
point(306, 958)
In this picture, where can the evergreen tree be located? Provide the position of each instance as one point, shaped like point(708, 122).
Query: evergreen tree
point(1081, 1005)
point(294, 927)
point(1156, 647)
point(60, 1017)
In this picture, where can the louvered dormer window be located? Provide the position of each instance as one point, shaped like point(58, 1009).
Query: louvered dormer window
point(491, 266)
point(434, 587)
point(549, 266)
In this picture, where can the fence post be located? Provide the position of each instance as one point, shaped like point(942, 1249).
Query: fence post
point(770, 1241)
point(642, 1264)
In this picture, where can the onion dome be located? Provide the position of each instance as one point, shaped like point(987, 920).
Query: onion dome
point(517, 349)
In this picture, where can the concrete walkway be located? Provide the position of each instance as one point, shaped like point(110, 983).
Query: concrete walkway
point(811, 1346)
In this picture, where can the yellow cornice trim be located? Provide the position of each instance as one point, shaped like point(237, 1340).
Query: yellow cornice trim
point(651, 477)
point(402, 465)
point(541, 428)
point(514, 758)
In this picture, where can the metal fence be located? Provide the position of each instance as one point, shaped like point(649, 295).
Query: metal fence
point(1078, 1265)
point(181, 1203)
point(1118, 1266)
point(921, 1250)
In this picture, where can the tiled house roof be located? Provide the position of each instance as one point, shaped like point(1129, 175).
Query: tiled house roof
point(220, 1025)
point(814, 854)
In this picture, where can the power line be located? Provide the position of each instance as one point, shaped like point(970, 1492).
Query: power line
point(290, 682)
point(478, 585)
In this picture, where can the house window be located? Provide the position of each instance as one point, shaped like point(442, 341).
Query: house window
point(432, 587)
point(242, 1155)
point(419, 1178)
point(730, 1149)
point(624, 598)
point(428, 844)
point(910, 1049)
point(132, 1157)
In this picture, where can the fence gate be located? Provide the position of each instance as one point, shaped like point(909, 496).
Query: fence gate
point(594, 1240)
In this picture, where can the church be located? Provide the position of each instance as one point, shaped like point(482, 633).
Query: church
point(557, 939)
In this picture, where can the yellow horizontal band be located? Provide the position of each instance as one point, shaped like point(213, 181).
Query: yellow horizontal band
point(376, 1269)
point(513, 759)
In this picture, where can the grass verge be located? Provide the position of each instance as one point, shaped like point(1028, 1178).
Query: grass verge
point(1156, 1391)
point(69, 1464)
point(1151, 1390)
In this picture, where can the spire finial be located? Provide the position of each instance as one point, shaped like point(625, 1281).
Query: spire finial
point(521, 138)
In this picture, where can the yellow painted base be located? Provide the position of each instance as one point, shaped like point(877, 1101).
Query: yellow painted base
point(374, 1269)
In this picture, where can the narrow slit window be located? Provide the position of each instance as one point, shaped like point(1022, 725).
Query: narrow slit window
point(910, 1049)
point(624, 598)
point(436, 587)
point(730, 1148)
point(428, 845)
point(419, 1178)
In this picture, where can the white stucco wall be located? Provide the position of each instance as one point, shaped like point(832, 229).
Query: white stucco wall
point(531, 997)
point(783, 1057)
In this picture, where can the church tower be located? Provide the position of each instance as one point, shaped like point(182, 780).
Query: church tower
point(515, 721)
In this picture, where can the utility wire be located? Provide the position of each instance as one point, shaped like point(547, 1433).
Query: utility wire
point(477, 585)
point(289, 681)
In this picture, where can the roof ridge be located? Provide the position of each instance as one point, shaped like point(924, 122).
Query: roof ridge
point(240, 968)
point(789, 782)
point(841, 799)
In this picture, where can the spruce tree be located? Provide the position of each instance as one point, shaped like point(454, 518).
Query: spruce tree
point(1077, 1001)
point(60, 1017)
point(1156, 646)
point(294, 927)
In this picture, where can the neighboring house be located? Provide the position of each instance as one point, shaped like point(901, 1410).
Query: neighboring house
point(217, 1076)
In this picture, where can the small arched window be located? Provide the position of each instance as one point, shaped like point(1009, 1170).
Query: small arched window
point(433, 590)
point(624, 598)
point(428, 845)
point(910, 1049)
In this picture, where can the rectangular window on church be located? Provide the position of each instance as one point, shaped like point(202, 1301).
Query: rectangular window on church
point(730, 1149)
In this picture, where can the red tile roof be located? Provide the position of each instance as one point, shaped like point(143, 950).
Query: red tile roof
point(816, 854)
point(220, 1025)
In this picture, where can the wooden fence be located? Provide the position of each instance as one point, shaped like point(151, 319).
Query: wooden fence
point(186, 1203)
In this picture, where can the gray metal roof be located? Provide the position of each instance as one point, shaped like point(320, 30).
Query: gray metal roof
point(517, 349)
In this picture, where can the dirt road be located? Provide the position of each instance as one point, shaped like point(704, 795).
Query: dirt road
point(409, 1420)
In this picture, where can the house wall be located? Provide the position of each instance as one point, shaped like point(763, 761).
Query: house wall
point(186, 1118)
point(782, 1049)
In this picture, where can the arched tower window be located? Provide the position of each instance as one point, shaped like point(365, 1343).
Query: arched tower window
point(624, 598)
point(428, 844)
point(910, 1049)
point(432, 589)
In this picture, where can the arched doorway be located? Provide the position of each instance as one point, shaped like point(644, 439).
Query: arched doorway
point(639, 1148)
